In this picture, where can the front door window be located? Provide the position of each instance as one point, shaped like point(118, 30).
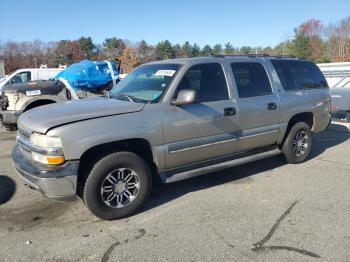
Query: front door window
point(21, 78)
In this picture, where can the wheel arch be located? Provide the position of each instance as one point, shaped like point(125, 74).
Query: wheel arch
point(139, 146)
point(307, 117)
point(37, 103)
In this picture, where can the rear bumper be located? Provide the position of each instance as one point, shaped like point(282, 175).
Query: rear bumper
point(322, 122)
point(9, 117)
point(58, 182)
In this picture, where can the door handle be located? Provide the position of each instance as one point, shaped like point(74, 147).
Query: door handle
point(271, 106)
point(229, 111)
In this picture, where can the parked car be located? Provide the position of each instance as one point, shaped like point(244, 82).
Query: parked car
point(29, 74)
point(81, 80)
point(172, 120)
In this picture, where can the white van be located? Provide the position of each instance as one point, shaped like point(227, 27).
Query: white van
point(29, 74)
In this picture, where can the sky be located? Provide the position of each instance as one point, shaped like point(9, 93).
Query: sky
point(255, 23)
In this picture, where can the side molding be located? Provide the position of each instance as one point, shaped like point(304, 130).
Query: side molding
point(197, 169)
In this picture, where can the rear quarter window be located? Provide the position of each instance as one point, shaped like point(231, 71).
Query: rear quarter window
point(299, 75)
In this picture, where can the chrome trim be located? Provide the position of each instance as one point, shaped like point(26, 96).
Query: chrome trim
point(201, 146)
point(45, 151)
point(24, 134)
point(219, 166)
point(221, 141)
point(258, 134)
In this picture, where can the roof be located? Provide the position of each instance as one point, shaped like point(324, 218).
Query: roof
point(193, 60)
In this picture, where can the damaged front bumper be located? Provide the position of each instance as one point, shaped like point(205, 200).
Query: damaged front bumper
point(10, 117)
point(58, 182)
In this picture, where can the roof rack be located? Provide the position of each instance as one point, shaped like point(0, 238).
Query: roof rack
point(256, 55)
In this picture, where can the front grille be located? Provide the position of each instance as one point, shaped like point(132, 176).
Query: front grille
point(23, 134)
point(26, 152)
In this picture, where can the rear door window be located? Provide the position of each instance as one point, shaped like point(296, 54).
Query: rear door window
point(251, 79)
point(299, 75)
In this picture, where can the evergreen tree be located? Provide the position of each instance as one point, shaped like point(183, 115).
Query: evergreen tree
point(187, 49)
point(246, 50)
point(217, 49)
point(87, 46)
point(164, 50)
point(207, 50)
point(301, 46)
point(229, 50)
point(195, 50)
point(178, 50)
point(114, 47)
point(144, 51)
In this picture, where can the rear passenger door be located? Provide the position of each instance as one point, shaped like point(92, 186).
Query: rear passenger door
point(258, 105)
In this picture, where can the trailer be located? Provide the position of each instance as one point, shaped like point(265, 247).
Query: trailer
point(338, 78)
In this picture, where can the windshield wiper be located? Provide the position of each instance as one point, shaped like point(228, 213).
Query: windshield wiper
point(123, 96)
point(130, 98)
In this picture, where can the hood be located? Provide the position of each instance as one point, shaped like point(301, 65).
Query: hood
point(46, 87)
point(43, 118)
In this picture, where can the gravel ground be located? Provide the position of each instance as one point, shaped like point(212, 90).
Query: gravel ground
point(262, 211)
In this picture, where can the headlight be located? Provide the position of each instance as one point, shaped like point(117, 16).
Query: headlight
point(47, 144)
point(45, 141)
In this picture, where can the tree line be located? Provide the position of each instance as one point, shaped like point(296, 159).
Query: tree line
point(311, 40)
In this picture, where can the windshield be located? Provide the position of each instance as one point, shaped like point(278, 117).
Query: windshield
point(146, 83)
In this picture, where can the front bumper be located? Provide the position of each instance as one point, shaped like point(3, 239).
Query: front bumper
point(10, 117)
point(58, 182)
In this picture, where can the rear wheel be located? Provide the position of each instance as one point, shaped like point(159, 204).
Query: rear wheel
point(297, 146)
point(117, 186)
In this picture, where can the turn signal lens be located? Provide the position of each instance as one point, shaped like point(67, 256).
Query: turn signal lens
point(55, 160)
point(48, 160)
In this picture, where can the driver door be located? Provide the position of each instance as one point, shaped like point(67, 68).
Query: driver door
point(205, 129)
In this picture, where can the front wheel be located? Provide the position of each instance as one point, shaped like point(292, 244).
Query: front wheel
point(117, 186)
point(297, 146)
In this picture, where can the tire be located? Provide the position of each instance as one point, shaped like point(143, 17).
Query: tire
point(291, 149)
point(106, 186)
point(347, 117)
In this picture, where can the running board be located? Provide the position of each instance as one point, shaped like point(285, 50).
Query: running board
point(169, 177)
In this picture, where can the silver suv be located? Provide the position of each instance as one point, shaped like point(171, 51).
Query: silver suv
point(172, 120)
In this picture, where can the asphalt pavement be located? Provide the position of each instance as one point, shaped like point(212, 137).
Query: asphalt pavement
point(263, 211)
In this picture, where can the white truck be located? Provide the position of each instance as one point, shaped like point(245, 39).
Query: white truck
point(29, 74)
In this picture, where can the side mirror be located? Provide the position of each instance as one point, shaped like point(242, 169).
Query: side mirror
point(185, 96)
